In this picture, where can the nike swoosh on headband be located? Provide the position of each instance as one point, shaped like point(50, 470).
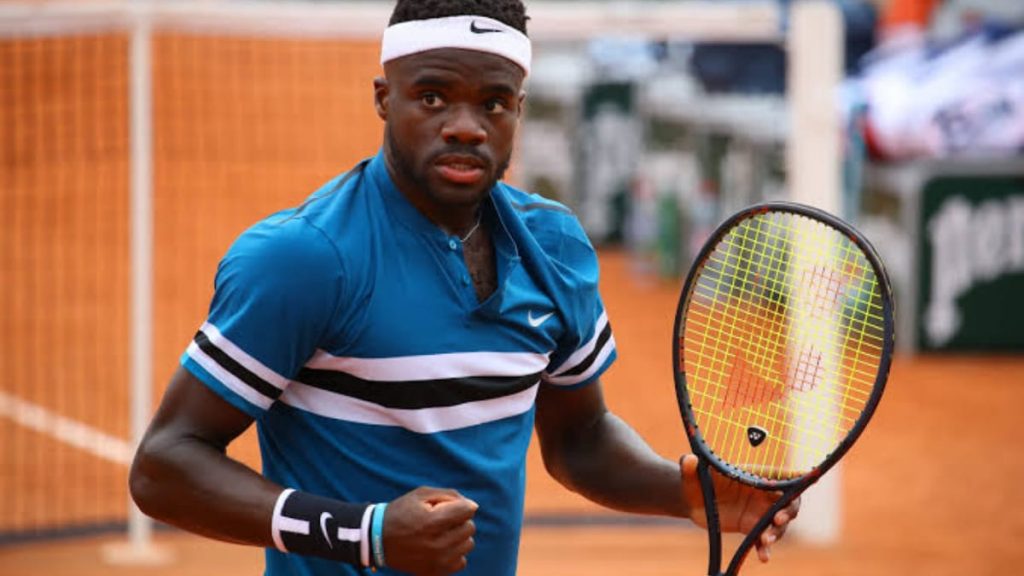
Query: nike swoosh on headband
point(478, 30)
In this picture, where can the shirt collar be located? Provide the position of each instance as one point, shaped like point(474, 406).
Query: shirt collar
point(397, 205)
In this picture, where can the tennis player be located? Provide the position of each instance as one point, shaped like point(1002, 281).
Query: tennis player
point(397, 337)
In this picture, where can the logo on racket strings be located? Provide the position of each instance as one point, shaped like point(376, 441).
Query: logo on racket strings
point(756, 435)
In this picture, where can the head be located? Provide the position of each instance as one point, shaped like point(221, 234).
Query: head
point(451, 112)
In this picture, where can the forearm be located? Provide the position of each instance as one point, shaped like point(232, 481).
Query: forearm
point(609, 463)
point(183, 476)
point(191, 484)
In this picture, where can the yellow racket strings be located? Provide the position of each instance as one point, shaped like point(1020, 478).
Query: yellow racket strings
point(782, 341)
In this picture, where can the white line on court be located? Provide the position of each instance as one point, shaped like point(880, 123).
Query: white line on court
point(64, 429)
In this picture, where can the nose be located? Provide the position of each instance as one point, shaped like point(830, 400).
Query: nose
point(463, 126)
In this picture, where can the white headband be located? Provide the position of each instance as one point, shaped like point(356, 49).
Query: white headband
point(466, 32)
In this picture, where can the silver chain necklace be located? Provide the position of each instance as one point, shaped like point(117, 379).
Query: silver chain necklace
point(479, 217)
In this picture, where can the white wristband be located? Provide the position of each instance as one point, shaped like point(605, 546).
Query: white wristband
point(364, 543)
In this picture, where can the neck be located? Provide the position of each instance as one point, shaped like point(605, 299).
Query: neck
point(455, 219)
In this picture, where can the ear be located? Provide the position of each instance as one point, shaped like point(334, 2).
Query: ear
point(522, 100)
point(380, 96)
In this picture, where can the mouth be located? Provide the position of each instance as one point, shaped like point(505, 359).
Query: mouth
point(460, 169)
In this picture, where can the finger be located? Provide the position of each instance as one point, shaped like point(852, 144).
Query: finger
point(778, 527)
point(453, 512)
point(455, 558)
point(459, 564)
point(764, 546)
point(433, 496)
point(688, 464)
point(786, 515)
point(457, 536)
point(794, 508)
point(781, 518)
point(463, 548)
point(691, 491)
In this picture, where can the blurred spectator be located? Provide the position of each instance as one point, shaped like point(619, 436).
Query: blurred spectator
point(900, 18)
point(946, 80)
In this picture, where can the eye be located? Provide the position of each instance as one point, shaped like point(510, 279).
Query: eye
point(496, 106)
point(431, 100)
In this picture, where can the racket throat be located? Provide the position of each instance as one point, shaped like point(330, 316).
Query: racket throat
point(707, 489)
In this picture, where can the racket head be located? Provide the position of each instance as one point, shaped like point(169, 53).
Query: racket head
point(770, 282)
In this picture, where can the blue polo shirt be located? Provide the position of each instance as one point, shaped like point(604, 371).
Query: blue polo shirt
point(349, 328)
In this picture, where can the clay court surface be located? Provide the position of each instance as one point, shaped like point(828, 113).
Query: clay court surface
point(931, 489)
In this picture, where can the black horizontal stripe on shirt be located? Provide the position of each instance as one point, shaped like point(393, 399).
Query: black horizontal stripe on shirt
point(235, 368)
point(582, 367)
point(412, 395)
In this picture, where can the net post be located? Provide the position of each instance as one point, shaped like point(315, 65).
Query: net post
point(139, 548)
point(814, 168)
point(815, 55)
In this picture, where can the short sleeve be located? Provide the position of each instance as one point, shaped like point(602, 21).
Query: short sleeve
point(275, 295)
point(588, 347)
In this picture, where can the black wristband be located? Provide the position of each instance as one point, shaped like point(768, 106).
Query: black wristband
point(315, 526)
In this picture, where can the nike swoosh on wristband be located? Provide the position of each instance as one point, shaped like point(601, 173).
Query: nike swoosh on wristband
point(536, 322)
point(477, 30)
point(323, 528)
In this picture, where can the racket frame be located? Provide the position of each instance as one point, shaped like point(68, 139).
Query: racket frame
point(791, 488)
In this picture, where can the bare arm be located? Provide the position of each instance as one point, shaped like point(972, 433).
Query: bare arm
point(595, 453)
point(182, 474)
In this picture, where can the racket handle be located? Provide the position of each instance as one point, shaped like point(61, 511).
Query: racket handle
point(707, 489)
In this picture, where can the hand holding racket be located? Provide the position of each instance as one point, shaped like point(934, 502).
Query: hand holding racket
point(739, 505)
point(782, 346)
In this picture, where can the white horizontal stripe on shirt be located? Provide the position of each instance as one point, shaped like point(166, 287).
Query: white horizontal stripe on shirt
point(583, 351)
point(238, 355)
point(599, 361)
point(421, 420)
point(433, 366)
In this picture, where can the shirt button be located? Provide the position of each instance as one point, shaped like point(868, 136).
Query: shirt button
point(452, 243)
point(465, 280)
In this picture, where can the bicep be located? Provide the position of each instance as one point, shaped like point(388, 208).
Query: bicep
point(191, 410)
point(182, 474)
point(565, 416)
point(593, 452)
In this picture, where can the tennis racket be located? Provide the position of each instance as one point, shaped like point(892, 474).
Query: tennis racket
point(783, 342)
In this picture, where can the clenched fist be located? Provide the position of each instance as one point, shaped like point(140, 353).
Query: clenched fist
point(429, 531)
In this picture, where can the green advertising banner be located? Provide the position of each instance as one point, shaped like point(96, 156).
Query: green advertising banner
point(971, 282)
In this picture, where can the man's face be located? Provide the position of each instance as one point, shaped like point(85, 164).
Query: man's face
point(450, 121)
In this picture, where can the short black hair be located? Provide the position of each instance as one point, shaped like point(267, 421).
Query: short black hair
point(511, 12)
